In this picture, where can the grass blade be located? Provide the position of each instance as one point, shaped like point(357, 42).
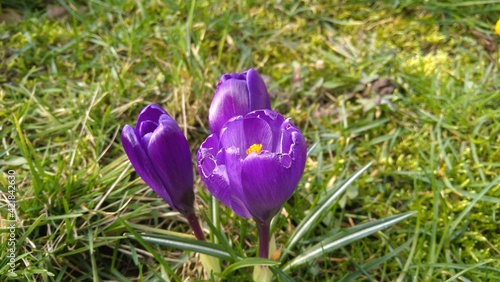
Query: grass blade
point(311, 149)
point(282, 276)
point(145, 244)
point(376, 262)
point(202, 247)
point(483, 192)
point(310, 221)
point(346, 237)
point(248, 262)
point(457, 276)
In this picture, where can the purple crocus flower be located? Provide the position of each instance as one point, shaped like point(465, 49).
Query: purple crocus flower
point(237, 94)
point(254, 166)
point(160, 154)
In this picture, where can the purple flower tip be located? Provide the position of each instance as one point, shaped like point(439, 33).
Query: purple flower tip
point(237, 94)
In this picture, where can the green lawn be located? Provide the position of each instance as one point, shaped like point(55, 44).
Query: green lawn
point(411, 85)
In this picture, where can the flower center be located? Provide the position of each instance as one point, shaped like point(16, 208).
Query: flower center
point(255, 148)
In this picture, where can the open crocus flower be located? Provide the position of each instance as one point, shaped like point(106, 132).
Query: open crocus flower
point(237, 94)
point(160, 154)
point(254, 166)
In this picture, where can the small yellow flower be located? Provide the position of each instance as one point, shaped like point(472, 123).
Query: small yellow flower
point(497, 27)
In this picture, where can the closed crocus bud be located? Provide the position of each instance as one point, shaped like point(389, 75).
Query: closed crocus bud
point(160, 154)
point(254, 166)
point(237, 94)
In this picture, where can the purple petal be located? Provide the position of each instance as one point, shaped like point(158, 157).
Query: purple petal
point(265, 181)
point(141, 163)
point(228, 76)
point(298, 154)
point(145, 140)
point(295, 157)
point(151, 112)
point(275, 120)
point(285, 160)
point(213, 172)
point(218, 185)
point(207, 165)
point(239, 207)
point(146, 127)
point(244, 132)
point(267, 184)
point(169, 152)
point(234, 162)
point(216, 181)
point(259, 97)
point(205, 157)
point(230, 99)
point(209, 147)
point(286, 140)
point(293, 148)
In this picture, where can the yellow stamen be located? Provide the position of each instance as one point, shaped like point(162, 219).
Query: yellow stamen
point(255, 148)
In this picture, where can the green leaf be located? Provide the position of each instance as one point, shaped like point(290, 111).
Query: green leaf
point(247, 262)
point(458, 275)
point(465, 193)
point(150, 229)
point(219, 238)
point(312, 219)
point(332, 84)
point(15, 161)
point(311, 149)
point(202, 247)
point(144, 243)
point(282, 276)
point(346, 237)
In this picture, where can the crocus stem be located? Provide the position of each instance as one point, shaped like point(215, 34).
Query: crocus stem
point(195, 225)
point(263, 228)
